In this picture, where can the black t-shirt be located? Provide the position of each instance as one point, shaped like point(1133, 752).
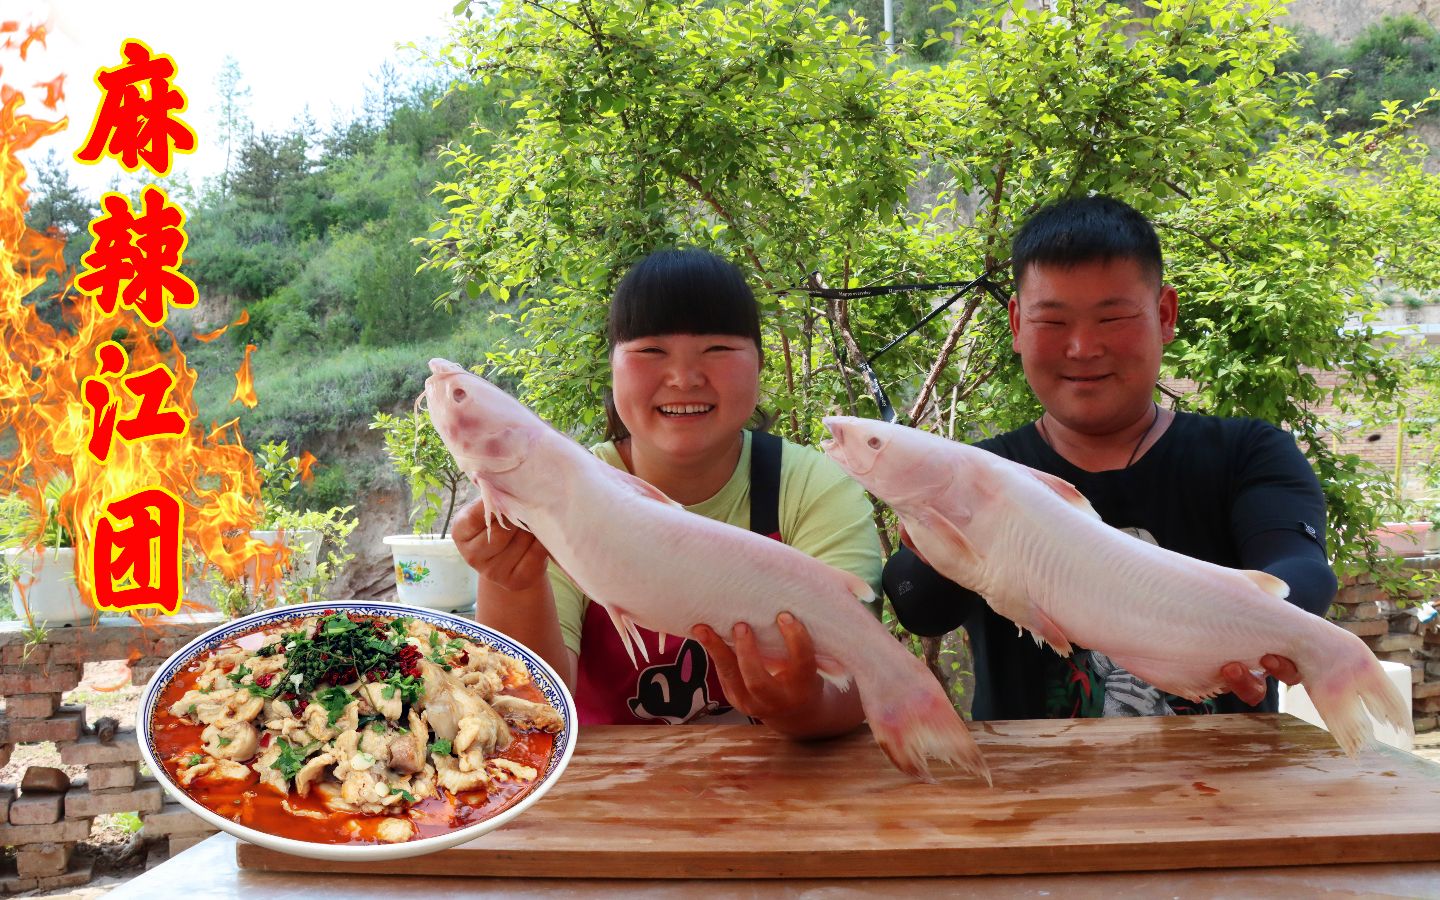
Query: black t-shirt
point(1234, 492)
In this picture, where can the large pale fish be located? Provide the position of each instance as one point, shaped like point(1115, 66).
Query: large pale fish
point(650, 562)
point(1032, 546)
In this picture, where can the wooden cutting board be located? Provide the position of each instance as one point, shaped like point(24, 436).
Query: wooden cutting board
point(1076, 795)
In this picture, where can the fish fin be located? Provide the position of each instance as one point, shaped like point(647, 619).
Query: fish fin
point(1193, 681)
point(1350, 682)
point(630, 637)
point(1067, 491)
point(1267, 583)
point(920, 723)
point(857, 586)
point(833, 673)
point(953, 540)
point(1044, 628)
point(646, 489)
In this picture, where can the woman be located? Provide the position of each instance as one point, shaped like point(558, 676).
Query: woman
point(685, 359)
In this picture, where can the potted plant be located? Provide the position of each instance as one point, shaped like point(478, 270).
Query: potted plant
point(429, 571)
point(39, 561)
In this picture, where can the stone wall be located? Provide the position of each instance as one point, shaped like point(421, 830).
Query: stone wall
point(1396, 631)
point(47, 815)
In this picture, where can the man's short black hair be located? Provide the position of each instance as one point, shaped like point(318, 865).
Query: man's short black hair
point(1085, 229)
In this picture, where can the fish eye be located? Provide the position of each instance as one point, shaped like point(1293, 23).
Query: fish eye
point(457, 394)
point(874, 443)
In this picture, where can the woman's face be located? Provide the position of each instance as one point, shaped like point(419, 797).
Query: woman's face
point(686, 395)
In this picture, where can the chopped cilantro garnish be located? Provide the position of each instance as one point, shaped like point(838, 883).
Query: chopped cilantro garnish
point(434, 639)
point(334, 699)
point(224, 741)
point(442, 747)
point(194, 759)
point(411, 688)
point(292, 757)
point(239, 674)
point(259, 691)
point(404, 794)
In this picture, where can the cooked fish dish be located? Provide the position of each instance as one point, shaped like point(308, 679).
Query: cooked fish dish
point(348, 728)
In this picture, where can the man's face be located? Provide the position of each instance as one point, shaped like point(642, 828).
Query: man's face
point(1090, 338)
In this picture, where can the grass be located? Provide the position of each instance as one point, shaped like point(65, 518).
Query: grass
point(127, 822)
point(303, 396)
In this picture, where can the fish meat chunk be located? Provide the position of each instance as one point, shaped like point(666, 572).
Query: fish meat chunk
point(650, 562)
point(1032, 546)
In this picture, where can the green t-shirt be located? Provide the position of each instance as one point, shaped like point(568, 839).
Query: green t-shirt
point(823, 513)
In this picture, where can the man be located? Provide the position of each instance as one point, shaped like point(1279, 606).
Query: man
point(1090, 317)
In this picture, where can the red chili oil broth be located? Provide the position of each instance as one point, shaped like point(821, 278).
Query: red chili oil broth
point(254, 805)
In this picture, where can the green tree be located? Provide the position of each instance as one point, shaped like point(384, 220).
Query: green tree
point(233, 114)
point(1397, 58)
point(774, 134)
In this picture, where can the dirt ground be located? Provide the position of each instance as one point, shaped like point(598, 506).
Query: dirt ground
point(116, 853)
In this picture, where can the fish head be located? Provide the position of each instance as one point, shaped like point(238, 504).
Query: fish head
point(895, 463)
point(485, 429)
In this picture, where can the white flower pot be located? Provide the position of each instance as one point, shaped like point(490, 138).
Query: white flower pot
point(304, 544)
point(52, 598)
point(430, 573)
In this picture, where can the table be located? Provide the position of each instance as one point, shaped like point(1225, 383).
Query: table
point(1094, 796)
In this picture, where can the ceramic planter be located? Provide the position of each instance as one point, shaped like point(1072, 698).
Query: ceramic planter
point(1409, 538)
point(430, 573)
point(53, 599)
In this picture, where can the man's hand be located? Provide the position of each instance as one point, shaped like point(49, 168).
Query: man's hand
point(790, 692)
point(510, 558)
point(1250, 688)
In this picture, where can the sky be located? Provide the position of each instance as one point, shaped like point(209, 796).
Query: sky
point(319, 54)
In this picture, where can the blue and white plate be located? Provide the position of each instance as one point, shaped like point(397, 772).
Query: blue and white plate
point(544, 678)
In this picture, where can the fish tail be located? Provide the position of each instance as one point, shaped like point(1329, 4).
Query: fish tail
point(923, 725)
point(1348, 685)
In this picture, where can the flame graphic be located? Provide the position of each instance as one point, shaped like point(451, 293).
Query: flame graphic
point(43, 424)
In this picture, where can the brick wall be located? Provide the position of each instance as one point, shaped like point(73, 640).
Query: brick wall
point(47, 815)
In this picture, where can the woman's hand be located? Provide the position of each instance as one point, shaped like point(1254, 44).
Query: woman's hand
point(1250, 688)
point(792, 697)
point(509, 557)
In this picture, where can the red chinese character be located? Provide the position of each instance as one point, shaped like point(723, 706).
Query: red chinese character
point(136, 259)
point(151, 388)
point(133, 123)
point(137, 566)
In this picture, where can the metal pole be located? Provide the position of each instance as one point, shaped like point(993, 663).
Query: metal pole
point(890, 26)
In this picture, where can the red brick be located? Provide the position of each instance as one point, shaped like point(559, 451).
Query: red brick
point(5, 751)
point(32, 706)
point(1387, 643)
point(1359, 593)
point(175, 819)
point(41, 679)
point(36, 809)
point(89, 750)
point(110, 777)
point(66, 830)
point(1426, 723)
point(80, 803)
point(1425, 689)
point(14, 884)
point(1423, 705)
point(45, 780)
point(43, 860)
point(66, 725)
point(1369, 628)
point(179, 843)
point(7, 794)
point(80, 872)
